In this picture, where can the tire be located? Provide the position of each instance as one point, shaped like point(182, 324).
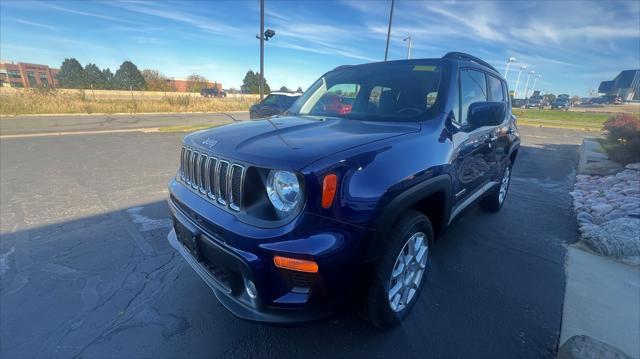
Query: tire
point(378, 308)
point(494, 201)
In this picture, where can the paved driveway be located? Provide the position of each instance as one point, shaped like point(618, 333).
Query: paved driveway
point(85, 269)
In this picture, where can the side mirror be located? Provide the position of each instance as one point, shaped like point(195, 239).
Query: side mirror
point(486, 114)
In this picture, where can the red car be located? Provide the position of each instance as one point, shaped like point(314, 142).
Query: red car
point(331, 103)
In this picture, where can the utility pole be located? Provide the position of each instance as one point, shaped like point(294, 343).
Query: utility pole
point(386, 50)
point(515, 92)
point(409, 45)
point(261, 49)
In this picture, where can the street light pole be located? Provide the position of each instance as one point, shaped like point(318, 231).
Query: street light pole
point(409, 45)
point(386, 50)
point(515, 92)
point(526, 87)
point(261, 49)
point(535, 80)
point(506, 71)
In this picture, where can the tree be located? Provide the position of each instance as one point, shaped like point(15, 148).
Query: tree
point(196, 82)
point(251, 83)
point(299, 90)
point(284, 89)
point(95, 77)
point(108, 79)
point(549, 97)
point(155, 80)
point(128, 77)
point(575, 100)
point(72, 75)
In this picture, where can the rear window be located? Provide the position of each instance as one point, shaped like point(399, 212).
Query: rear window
point(382, 92)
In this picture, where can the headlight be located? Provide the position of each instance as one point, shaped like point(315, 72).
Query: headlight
point(283, 189)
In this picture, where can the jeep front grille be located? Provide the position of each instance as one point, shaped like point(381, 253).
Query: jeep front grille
point(219, 180)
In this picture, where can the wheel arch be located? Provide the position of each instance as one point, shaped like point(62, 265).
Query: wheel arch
point(417, 197)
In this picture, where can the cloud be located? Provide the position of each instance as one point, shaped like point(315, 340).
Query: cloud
point(148, 40)
point(36, 24)
point(203, 23)
point(322, 50)
point(83, 13)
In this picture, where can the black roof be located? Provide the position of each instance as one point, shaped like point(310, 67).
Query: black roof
point(625, 79)
point(449, 56)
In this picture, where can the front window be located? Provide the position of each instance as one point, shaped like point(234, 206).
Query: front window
point(377, 92)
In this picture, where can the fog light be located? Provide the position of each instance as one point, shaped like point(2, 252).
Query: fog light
point(251, 289)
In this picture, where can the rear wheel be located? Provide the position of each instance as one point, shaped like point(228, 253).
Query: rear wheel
point(400, 274)
point(495, 200)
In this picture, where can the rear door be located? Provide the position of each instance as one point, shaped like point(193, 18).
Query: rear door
point(474, 149)
point(503, 133)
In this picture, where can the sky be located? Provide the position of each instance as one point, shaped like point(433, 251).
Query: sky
point(573, 44)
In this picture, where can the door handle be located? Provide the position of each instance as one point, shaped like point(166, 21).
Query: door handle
point(490, 139)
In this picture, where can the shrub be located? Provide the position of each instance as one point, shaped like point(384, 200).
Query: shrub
point(623, 138)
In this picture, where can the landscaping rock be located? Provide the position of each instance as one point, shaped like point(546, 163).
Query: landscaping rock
point(633, 166)
point(602, 208)
point(618, 238)
point(585, 347)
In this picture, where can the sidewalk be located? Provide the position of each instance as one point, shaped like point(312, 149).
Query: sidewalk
point(602, 300)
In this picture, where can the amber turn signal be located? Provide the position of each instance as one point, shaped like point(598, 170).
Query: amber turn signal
point(299, 265)
point(329, 187)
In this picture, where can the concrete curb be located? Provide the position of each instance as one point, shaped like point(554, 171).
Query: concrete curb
point(594, 161)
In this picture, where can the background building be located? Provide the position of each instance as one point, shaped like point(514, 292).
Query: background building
point(27, 75)
point(625, 85)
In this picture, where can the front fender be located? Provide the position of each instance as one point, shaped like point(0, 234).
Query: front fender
point(401, 202)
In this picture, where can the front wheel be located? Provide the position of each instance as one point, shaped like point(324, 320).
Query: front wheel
point(494, 201)
point(400, 274)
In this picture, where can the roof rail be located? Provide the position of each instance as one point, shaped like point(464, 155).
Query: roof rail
point(463, 56)
point(341, 67)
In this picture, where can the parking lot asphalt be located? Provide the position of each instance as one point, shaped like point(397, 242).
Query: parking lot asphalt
point(86, 271)
point(24, 125)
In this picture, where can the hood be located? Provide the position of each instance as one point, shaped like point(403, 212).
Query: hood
point(292, 142)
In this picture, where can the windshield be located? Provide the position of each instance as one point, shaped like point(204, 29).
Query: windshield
point(382, 92)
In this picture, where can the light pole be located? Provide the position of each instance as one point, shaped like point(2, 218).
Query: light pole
point(261, 49)
point(535, 80)
point(506, 71)
point(409, 44)
point(386, 50)
point(515, 92)
point(526, 87)
point(264, 36)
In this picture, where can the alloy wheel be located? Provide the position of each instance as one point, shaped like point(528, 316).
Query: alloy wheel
point(407, 272)
point(504, 184)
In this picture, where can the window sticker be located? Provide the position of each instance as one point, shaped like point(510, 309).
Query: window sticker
point(424, 68)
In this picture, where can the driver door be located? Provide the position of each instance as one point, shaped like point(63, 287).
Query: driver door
point(474, 148)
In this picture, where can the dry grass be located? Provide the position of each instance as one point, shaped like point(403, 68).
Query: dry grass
point(79, 101)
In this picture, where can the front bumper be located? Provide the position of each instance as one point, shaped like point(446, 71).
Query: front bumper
point(226, 258)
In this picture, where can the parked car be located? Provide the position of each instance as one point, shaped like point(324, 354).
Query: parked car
point(274, 104)
point(607, 100)
point(535, 102)
point(289, 218)
point(333, 104)
point(212, 92)
point(562, 102)
point(519, 102)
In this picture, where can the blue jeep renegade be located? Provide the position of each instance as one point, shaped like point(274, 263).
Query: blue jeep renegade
point(340, 199)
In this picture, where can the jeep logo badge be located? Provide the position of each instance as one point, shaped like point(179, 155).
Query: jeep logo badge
point(210, 142)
